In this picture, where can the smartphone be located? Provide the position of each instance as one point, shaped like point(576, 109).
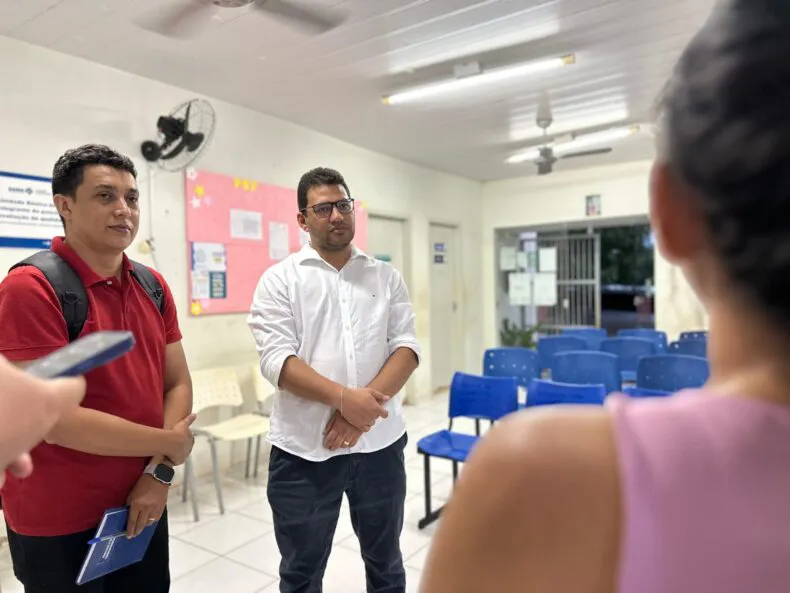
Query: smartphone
point(83, 355)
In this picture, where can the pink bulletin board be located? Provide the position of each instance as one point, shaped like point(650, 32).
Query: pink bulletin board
point(236, 229)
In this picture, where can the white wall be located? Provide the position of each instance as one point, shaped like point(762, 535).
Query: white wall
point(51, 102)
point(560, 198)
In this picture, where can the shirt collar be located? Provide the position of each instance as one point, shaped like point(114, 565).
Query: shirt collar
point(307, 253)
point(88, 276)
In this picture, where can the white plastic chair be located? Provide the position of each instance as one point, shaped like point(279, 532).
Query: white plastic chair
point(264, 392)
point(214, 388)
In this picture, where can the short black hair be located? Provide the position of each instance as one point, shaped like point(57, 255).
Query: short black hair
point(316, 178)
point(726, 133)
point(67, 174)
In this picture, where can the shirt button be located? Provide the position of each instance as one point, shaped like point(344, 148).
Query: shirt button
point(109, 282)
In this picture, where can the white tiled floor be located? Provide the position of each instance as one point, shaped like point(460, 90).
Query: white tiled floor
point(237, 553)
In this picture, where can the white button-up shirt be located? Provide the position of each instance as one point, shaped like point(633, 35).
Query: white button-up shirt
point(344, 324)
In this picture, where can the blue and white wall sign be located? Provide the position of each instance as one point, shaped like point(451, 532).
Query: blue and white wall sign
point(28, 217)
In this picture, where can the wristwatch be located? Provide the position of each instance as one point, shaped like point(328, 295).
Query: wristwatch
point(161, 473)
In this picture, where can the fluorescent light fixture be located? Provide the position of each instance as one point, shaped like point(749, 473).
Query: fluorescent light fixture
point(578, 143)
point(486, 77)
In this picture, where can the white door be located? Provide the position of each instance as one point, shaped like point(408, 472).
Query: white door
point(444, 267)
point(386, 241)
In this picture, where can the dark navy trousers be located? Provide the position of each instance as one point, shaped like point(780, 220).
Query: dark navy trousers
point(305, 497)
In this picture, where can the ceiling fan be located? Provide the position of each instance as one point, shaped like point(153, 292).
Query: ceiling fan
point(573, 146)
point(185, 18)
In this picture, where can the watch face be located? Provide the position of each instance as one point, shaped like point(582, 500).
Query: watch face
point(164, 472)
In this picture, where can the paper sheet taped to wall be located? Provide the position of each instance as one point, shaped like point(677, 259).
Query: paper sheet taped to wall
point(278, 240)
point(547, 259)
point(520, 289)
point(507, 258)
point(545, 289)
point(246, 224)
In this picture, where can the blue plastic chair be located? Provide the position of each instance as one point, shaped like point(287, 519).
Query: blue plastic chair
point(660, 338)
point(592, 335)
point(521, 363)
point(548, 346)
point(628, 352)
point(698, 335)
point(672, 372)
point(640, 392)
point(587, 368)
point(690, 347)
point(488, 398)
point(549, 393)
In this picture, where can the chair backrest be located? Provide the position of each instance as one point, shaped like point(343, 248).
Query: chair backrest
point(660, 338)
point(548, 346)
point(671, 372)
point(592, 335)
point(698, 335)
point(629, 350)
point(521, 363)
point(640, 392)
point(587, 368)
point(215, 387)
point(483, 397)
point(263, 389)
point(690, 347)
point(547, 393)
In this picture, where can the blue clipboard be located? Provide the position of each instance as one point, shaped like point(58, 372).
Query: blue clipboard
point(110, 550)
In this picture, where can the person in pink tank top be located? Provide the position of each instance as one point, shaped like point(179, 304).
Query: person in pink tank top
point(690, 493)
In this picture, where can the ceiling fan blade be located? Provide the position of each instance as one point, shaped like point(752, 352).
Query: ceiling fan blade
point(314, 20)
point(593, 152)
point(184, 20)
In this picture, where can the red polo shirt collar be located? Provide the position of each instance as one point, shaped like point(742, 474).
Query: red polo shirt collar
point(84, 271)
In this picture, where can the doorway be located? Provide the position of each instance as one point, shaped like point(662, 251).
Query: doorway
point(386, 241)
point(446, 348)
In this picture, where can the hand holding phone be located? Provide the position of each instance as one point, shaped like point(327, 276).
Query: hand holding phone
point(31, 404)
point(29, 409)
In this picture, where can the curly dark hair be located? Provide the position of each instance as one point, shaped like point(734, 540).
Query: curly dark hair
point(725, 131)
point(316, 178)
point(67, 174)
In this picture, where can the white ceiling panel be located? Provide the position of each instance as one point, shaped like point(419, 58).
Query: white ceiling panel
point(334, 82)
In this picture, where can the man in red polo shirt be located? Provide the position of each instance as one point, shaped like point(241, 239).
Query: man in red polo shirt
point(119, 447)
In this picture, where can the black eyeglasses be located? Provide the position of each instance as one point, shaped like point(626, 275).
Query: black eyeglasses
point(324, 210)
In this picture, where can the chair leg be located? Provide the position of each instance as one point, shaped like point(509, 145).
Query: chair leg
point(455, 471)
point(189, 483)
point(477, 426)
point(247, 459)
point(257, 456)
point(186, 484)
point(215, 470)
point(430, 516)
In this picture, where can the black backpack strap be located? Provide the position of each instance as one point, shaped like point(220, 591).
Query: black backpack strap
point(67, 286)
point(146, 278)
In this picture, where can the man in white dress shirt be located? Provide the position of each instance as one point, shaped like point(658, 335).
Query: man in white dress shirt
point(335, 332)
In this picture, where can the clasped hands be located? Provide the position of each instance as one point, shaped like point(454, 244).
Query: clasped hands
point(148, 498)
point(358, 411)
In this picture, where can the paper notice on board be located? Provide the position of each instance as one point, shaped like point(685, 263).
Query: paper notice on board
point(547, 259)
point(521, 260)
point(545, 286)
point(507, 259)
point(278, 241)
point(520, 289)
point(209, 257)
point(201, 285)
point(246, 224)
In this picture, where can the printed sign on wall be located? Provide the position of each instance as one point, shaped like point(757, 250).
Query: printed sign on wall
point(28, 217)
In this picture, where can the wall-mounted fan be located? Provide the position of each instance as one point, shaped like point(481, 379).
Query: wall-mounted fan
point(182, 135)
point(187, 18)
point(552, 150)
